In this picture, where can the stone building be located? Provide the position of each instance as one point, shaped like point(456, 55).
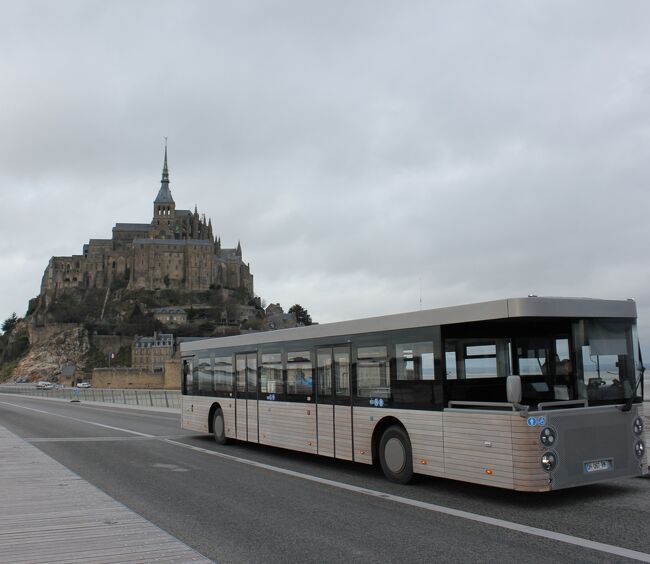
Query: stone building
point(170, 315)
point(176, 250)
point(151, 353)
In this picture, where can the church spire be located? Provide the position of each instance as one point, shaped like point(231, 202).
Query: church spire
point(165, 174)
point(164, 207)
point(164, 194)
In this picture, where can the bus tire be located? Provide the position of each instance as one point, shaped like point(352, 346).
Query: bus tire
point(219, 427)
point(395, 455)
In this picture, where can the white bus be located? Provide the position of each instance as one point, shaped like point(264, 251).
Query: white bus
point(531, 394)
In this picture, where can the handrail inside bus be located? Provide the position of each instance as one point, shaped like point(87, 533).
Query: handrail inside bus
point(565, 403)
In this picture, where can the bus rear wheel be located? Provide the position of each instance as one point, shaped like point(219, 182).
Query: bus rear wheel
point(219, 427)
point(395, 455)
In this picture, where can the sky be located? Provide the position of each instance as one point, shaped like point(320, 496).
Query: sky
point(372, 157)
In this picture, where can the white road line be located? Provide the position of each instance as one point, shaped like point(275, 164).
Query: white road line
point(568, 539)
point(534, 531)
point(79, 420)
point(97, 439)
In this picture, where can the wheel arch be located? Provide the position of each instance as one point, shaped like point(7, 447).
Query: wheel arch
point(378, 431)
point(216, 405)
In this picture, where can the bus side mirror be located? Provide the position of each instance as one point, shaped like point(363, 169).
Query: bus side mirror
point(513, 389)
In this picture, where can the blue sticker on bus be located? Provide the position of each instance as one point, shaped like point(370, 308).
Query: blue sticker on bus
point(536, 421)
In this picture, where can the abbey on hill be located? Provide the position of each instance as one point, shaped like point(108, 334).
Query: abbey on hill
point(177, 250)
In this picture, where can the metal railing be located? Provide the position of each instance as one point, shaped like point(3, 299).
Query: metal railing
point(146, 398)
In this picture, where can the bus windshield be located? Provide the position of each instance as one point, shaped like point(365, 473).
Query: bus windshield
point(591, 359)
point(607, 356)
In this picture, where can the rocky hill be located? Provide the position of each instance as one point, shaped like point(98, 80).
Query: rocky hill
point(73, 328)
point(44, 360)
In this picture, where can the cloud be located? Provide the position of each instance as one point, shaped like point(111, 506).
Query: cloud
point(365, 154)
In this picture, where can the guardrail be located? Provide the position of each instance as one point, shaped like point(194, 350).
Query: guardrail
point(147, 398)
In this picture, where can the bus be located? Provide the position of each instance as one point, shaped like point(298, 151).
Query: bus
point(529, 394)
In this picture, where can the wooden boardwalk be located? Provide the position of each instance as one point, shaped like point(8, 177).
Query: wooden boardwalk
point(49, 514)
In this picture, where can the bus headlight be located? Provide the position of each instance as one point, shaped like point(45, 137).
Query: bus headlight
point(639, 449)
point(638, 426)
point(549, 461)
point(547, 437)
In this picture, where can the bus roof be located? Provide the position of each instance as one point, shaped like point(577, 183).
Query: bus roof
point(510, 308)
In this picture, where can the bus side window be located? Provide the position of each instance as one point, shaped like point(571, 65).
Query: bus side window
point(477, 358)
point(299, 373)
point(187, 376)
point(204, 375)
point(414, 375)
point(414, 361)
point(373, 372)
point(223, 374)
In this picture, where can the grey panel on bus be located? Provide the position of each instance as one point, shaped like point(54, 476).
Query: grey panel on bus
point(570, 307)
point(589, 435)
point(499, 309)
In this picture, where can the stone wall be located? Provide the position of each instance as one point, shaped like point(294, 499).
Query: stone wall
point(111, 343)
point(135, 378)
point(172, 375)
point(41, 334)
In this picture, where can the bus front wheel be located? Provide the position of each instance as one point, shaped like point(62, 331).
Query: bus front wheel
point(219, 427)
point(395, 455)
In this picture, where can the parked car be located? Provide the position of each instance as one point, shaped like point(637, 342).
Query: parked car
point(21, 381)
point(83, 385)
point(44, 385)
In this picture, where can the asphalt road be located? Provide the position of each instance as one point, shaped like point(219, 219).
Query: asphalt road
point(273, 511)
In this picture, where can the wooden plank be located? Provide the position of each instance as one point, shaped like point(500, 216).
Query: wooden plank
point(52, 515)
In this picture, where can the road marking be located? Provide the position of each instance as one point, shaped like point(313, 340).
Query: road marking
point(97, 439)
point(79, 420)
point(568, 539)
point(534, 531)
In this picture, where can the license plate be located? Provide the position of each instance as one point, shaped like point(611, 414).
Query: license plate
point(598, 465)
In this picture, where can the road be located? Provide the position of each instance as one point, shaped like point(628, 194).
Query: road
point(246, 503)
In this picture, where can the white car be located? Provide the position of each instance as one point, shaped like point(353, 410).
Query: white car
point(42, 385)
point(83, 385)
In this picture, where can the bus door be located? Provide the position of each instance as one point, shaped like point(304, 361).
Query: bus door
point(334, 402)
point(246, 397)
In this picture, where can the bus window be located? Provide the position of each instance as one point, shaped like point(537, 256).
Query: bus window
point(204, 375)
point(187, 376)
point(414, 361)
point(342, 371)
point(324, 367)
point(477, 358)
point(373, 373)
point(480, 360)
point(607, 361)
point(413, 384)
point(241, 374)
point(533, 356)
point(223, 374)
point(299, 377)
point(271, 374)
point(246, 375)
point(451, 372)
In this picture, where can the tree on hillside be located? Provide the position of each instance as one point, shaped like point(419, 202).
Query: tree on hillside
point(9, 323)
point(302, 315)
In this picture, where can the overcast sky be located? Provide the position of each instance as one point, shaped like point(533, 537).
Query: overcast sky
point(370, 156)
